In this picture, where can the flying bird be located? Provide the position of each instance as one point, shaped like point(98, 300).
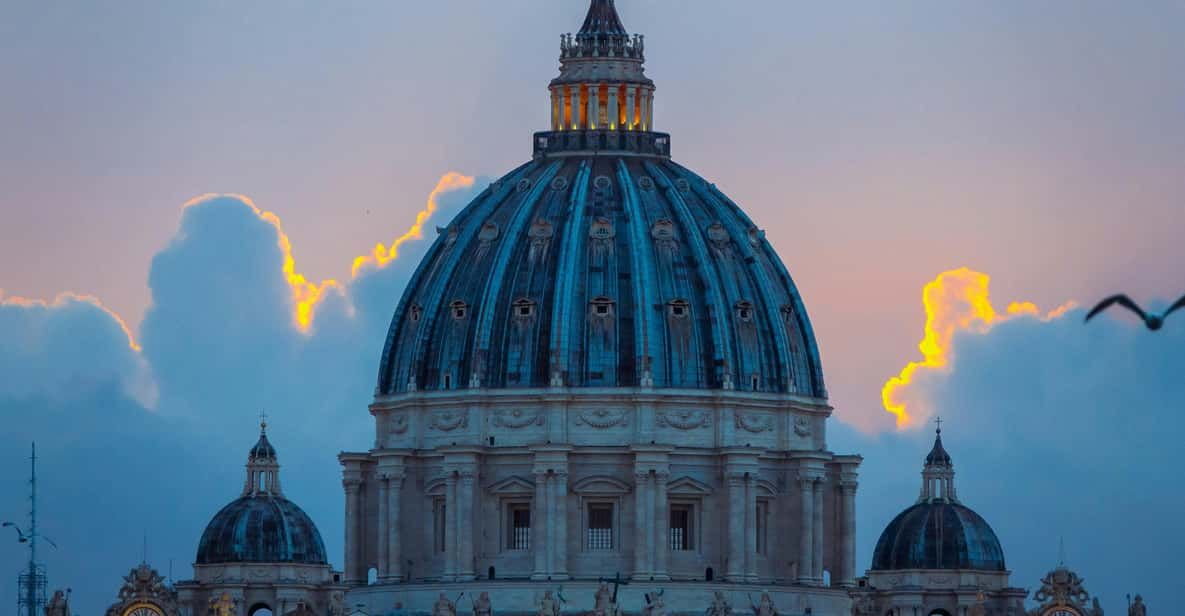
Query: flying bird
point(1153, 321)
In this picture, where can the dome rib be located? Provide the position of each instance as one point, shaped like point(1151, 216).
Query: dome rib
point(507, 247)
point(643, 276)
point(564, 309)
point(721, 371)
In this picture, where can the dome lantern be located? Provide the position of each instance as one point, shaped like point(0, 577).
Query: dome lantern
point(263, 471)
point(602, 93)
point(938, 473)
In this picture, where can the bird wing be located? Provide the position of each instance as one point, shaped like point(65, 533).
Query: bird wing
point(1177, 304)
point(1120, 299)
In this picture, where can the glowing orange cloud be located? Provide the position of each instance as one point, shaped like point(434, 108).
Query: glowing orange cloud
point(957, 300)
point(306, 294)
point(381, 255)
point(61, 299)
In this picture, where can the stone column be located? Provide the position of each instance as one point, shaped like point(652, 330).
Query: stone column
point(612, 107)
point(539, 526)
point(817, 542)
point(576, 105)
point(594, 109)
point(807, 536)
point(662, 525)
point(642, 95)
point(641, 536)
point(394, 549)
point(565, 105)
point(353, 571)
point(650, 110)
point(450, 525)
point(560, 499)
point(630, 106)
point(735, 569)
point(750, 528)
point(381, 548)
point(847, 568)
point(557, 110)
point(465, 523)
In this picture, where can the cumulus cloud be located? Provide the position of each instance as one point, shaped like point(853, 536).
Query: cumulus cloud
point(149, 437)
point(1058, 429)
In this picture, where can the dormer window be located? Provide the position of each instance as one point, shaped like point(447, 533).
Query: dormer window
point(678, 308)
point(459, 309)
point(744, 311)
point(414, 312)
point(602, 307)
point(524, 308)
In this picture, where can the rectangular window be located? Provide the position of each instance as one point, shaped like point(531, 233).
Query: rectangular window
point(600, 526)
point(438, 524)
point(518, 533)
point(681, 527)
point(762, 525)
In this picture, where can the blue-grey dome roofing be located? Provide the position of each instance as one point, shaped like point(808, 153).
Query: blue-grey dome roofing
point(938, 535)
point(262, 449)
point(602, 270)
point(261, 529)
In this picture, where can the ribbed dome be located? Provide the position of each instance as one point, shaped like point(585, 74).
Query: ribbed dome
point(602, 271)
point(263, 449)
point(261, 529)
point(938, 535)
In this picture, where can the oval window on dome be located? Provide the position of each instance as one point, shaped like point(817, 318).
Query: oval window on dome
point(683, 185)
point(645, 183)
point(414, 312)
point(459, 309)
point(678, 308)
point(523, 185)
point(602, 182)
point(744, 311)
point(559, 183)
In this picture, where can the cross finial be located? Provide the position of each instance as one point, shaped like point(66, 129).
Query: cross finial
point(263, 420)
point(1061, 551)
point(938, 422)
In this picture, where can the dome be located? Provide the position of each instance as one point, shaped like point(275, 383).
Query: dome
point(261, 528)
point(938, 535)
point(263, 448)
point(601, 271)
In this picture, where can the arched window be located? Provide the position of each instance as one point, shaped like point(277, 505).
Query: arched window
point(459, 309)
point(678, 308)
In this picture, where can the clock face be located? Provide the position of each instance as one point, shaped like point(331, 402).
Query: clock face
point(143, 609)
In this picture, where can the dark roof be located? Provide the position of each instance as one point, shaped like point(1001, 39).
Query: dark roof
point(938, 535)
point(261, 529)
point(602, 19)
point(262, 448)
point(938, 455)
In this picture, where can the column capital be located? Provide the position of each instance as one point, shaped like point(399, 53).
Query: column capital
point(351, 484)
point(848, 485)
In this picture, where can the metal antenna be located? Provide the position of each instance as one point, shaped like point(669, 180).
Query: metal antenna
point(32, 582)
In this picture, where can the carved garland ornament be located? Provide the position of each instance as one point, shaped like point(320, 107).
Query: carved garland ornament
point(603, 418)
point(802, 426)
point(683, 419)
point(398, 423)
point(754, 422)
point(517, 418)
point(447, 421)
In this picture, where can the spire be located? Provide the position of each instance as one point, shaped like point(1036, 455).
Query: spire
point(602, 20)
point(938, 472)
point(263, 471)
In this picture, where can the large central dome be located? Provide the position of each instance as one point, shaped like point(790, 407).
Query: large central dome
point(601, 263)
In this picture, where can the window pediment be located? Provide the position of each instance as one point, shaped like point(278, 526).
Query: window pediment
point(601, 484)
point(512, 485)
point(686, 486)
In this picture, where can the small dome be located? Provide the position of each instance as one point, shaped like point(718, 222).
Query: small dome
point(261, 529)
point(938, 535)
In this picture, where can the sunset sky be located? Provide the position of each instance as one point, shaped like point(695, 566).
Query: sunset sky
point(878, 144)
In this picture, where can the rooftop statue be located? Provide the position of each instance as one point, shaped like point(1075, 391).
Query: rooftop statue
point(720, 606)
point(1137, 607)
point(482, 607)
